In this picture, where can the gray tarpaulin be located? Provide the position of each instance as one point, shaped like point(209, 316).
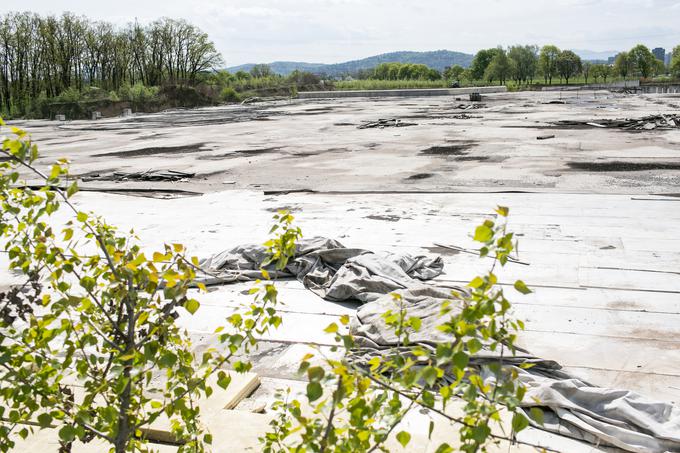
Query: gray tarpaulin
point(572, 407)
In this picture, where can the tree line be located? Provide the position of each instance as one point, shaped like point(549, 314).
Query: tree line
point(526, 64)
point(400, 71)
point(44, 56)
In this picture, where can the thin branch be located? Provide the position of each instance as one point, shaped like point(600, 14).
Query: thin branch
point(444, 414)
point(397, 421)
point(65, 198)
point(62, 408)
point(331, 415)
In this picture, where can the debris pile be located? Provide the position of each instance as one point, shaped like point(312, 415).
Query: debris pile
point(647, 123)
point(383, 123)
point(476, 105)
point(148, 175)
point(465, 116)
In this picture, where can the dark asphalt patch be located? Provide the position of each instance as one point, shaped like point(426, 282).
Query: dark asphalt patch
point(418, 176)
point(615, 166)
point(156, 150)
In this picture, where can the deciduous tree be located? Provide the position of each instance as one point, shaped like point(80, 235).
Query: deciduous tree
point(675, 62)
point(568, 64)
point(481, 62)
point(642, 61)
point(524, 61)
point(499, 68)
point(47, 56)
point(547, 62)
point(622, 65)
point(586, 70)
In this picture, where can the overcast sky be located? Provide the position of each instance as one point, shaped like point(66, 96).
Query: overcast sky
point(329, 31)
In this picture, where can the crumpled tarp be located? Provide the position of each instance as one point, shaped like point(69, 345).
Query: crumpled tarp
point(327, 268)
point(571, 407)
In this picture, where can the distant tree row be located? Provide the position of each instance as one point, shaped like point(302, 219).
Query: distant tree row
point(401, 71)
point(47, 55)
point(524, 64)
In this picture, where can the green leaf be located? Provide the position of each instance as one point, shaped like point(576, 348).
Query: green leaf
point(522, 287)
point(503, 211)
point(315, 374)
point(168, 359)
point(332, 328)
point(192, 305)
point(444, 448)
point(44, 420)
point(476, 282)
point(519, 422)
point(537, 415)
point(73, 188)
point(404, 438)
point(81, 217)
point(223, 379)
point(429, 375)
point(56, 171)
point(67, 433)
point(314, 391)
point(474, 345)
point(483, 234)
point(461, 360)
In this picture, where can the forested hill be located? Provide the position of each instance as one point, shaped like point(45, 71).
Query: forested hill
point(438, 59)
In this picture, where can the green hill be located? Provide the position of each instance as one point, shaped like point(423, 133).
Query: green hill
point(438, 59)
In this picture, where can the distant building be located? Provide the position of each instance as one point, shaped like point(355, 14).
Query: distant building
point(611, 60)
point(659, 53)
point(669, 57)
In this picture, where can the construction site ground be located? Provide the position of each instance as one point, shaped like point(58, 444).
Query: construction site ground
point(596, 212)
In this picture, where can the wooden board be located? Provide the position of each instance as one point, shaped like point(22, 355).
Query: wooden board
point(221, 400)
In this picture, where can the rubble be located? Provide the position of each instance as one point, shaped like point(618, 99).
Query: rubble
point(475, 105)
point(647, 123)
point(382, 123)
point(465, 116)
point(148, 175)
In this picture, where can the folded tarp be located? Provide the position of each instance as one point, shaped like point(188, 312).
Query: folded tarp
point(572, 407)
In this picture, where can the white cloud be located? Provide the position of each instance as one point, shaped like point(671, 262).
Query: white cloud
point(337, 30)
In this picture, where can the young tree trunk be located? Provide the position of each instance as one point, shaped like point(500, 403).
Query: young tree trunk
point(125, 430)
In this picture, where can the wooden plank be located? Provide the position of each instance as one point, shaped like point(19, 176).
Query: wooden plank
point(598, 299)
point(221, 400)
point(662, 387)
point(629, 279)
point(605, 323)
point(600, 352)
